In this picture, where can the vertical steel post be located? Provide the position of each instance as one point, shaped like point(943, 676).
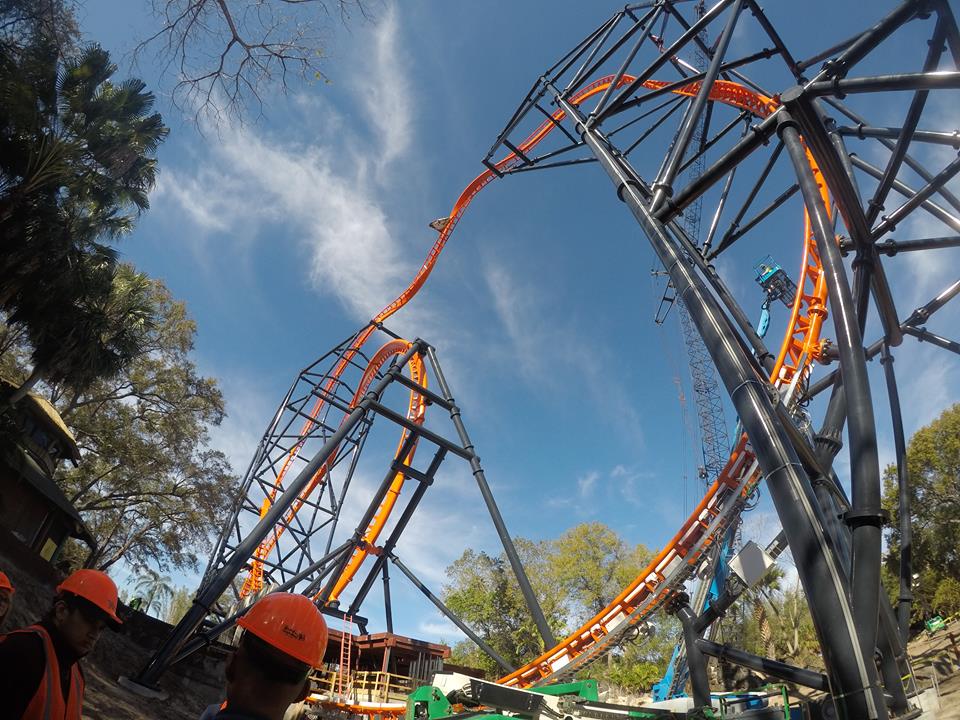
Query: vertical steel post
point(387, 607)
point(903, 496)
point(854, 675)
point(508, 547)
point(663, 186)
point(696, 662)
point(866, 515)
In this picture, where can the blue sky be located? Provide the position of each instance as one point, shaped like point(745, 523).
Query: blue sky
point(285, 234)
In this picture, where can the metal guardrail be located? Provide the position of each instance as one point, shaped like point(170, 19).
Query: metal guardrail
point(364, 686)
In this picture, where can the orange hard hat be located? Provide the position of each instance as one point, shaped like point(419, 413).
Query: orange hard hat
point(291, 623)
point(5, 583)
point(96, 587)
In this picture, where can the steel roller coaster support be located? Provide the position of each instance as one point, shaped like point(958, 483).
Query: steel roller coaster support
point(275, 520)
point(840, 559)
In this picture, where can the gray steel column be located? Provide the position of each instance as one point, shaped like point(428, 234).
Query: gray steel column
point(663, 187)
point(508, 547)
point(696, 662)
point(387, 607)
point(866, 515)
point(903, 495)
point(220, 581)
point(853, 675)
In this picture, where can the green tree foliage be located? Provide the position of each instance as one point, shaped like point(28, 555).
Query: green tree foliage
point(794, 638)
point(933, 464)
point(76, 163)
point(180, 602)
point(574, 577)
point(148, 485)
point(592, 564)
point(155, 589)
point(484, 592)
point(946, 600)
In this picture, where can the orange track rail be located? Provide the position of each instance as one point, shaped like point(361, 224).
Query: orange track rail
point(678, 559)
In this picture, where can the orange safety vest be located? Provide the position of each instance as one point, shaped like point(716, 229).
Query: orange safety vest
point(48, 702)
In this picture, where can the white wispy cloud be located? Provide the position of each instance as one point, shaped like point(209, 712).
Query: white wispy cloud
point(321, 191)
point(586, 483)
point(387, 92)
point(540, 341)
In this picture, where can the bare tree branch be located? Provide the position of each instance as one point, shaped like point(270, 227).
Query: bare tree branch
point(225, 54)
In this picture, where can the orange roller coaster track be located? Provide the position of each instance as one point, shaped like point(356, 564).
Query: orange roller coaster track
point(723, 500)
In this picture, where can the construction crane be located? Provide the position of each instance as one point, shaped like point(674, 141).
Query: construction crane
point(714, 443)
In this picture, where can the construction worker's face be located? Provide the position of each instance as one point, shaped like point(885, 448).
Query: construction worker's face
point(5, 599)
point(80, 628)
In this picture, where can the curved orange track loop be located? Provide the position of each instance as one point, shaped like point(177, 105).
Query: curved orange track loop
point(801, 345)
point(415, 413)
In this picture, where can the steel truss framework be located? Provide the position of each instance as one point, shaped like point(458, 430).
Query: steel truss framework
point(608, 103)
point(601, 101)
point(282, 527)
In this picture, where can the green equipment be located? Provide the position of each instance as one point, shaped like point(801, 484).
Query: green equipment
point(934, 624)
point(454, 696)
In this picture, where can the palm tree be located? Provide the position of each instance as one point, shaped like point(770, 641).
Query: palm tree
point(76, 164)
point(153, 587)
point(98, 335)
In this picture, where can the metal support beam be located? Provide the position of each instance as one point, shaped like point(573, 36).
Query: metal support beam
point(866, 515)
point(398, 529)
point(409, 443)
point(663, 186)
point(509, 548)
point(774, 668)
point(244, 550)
point(891, 221)
point(665, 56)
point(452, 616)
point(908, 160)
point(950, 139)
point(831, 156)
point(903, 495)
point(924, 335)
point(696, 662)
point(758, 135)
point(853, 675)
point(868, 40)
point(908, 192)
point(947, 80)
point(387, 607)
point(206, 638)
point(891, 247)
point(910, 326)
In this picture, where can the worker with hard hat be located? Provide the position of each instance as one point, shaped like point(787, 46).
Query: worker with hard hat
point(6, 596)
point(284, 638)
point(40, 674)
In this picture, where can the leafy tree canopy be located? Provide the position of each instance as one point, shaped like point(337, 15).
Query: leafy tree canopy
point(574, 577)
point(77, 159)
point(933, 466)
point(148, 485)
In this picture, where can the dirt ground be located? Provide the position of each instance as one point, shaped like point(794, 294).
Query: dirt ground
point(948, 707)
point(940, 655)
